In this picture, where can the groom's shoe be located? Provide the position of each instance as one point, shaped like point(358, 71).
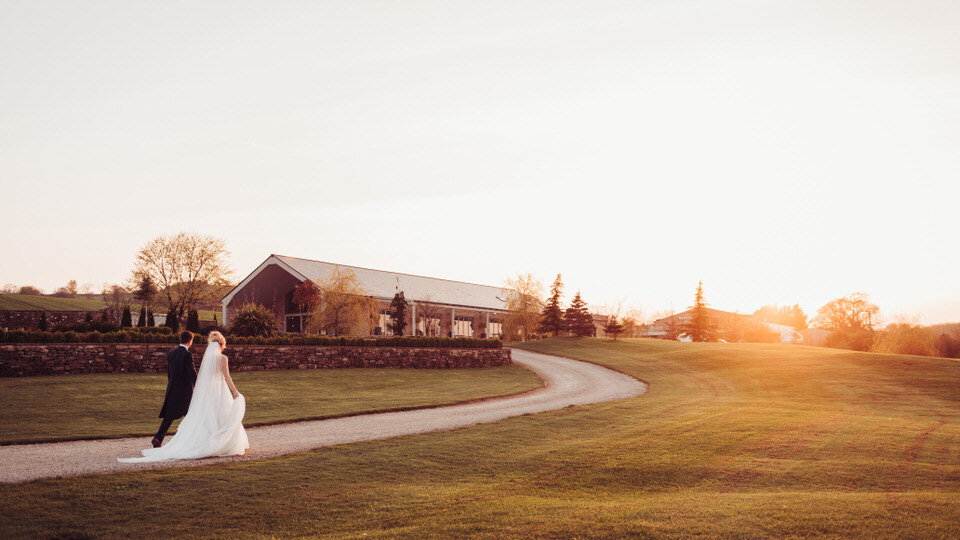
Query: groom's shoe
point(155, 442)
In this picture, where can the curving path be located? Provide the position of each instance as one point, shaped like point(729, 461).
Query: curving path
point(568, 382)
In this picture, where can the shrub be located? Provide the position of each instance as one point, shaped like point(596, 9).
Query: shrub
point(29, 289)
point(142, 320)
point(193, 321)
point(126, 320)
point(905, 338)
point(162, 335)
point(254, 320)
point(855, 339)
point(150, 321)
point(43, 321)
point(173, 322)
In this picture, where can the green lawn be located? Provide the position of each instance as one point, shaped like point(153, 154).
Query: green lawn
point(67, 407)
point(30, 302)
point(730, 440)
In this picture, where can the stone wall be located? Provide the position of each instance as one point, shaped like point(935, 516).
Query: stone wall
point(24, 359)
point(30, 320)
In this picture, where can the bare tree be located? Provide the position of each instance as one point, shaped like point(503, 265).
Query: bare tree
point(854, 311)
point(116, 298)
point(9, 288)
point(86, 288)
point(524, 304)
point(186, 268)
point(68, 291)
point(429, 317)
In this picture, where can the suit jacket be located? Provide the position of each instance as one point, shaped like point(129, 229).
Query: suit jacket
point(180, 379)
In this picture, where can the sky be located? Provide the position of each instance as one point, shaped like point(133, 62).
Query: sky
point(780, 151)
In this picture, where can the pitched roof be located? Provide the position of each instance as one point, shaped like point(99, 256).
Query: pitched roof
point(385, 284)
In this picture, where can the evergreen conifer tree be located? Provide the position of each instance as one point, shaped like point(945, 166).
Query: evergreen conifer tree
point(150, 320)
point(126, 320)
point(613, 327)
point(698, 326)
point(551, 320)
point(193, 321)
point(173, 321)
point(398, 312)
point(142, 321)
point(43, 321)
point(88, 319)
point(577, 320)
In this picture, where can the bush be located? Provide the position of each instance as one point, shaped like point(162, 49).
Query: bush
point(126, 320)
point(43, 321)
point(904, 338)
point(91, 326)
point(150, 320)
point(173, 322)
point(142, 320)
point(29, 289)
point(193, 321)
point(254, 320)
point(854, 339)
point(163, 336)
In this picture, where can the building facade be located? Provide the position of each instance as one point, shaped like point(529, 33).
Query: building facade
point(436, 307)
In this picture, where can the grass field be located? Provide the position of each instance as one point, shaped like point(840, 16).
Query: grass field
point(30, 302)
point(67, 407)
point(730, 440)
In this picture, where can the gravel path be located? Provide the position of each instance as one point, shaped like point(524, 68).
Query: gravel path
point(568, 382)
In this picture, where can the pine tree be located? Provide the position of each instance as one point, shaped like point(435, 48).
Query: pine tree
point(88, 319)
point(142, 321)
point(613, 327)
point(577, 320)
point(172, 321)
point(126, 319)
point(150, 320)
point(43, 321)
point(398, 312)
point(193, 321)
point(698, 326)
point(551, 320)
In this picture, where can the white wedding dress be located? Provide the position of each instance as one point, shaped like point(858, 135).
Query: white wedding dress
point(213, 424)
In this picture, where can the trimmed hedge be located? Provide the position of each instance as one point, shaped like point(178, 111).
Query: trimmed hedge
point(128, 336)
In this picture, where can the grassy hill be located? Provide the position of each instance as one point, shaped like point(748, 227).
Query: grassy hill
point(30, 302)
point(730, 440)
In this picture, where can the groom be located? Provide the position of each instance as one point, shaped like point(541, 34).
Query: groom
point(180, 379)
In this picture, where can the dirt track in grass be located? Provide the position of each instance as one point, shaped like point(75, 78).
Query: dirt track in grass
point(567, 382)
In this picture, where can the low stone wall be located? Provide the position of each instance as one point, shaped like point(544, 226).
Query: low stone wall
point(23, 359)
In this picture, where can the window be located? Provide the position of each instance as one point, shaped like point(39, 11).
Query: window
point(428, 326)
point(385, 326)
point(494, 328)
point(463, 327)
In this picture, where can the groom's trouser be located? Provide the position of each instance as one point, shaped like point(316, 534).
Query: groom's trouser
point(164, 426)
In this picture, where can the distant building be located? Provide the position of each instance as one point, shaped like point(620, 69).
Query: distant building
point(437, 307)
point(730, 326)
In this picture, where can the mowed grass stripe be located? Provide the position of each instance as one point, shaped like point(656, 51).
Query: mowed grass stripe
point(747, 440)
point(70, 407)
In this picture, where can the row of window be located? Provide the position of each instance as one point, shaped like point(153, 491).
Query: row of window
point(426, 326)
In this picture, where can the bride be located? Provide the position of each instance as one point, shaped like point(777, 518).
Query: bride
point(212, 426)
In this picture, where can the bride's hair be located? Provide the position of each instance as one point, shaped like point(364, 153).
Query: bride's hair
point(218, 337)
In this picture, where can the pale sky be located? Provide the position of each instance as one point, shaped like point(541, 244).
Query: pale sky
point(781, 151)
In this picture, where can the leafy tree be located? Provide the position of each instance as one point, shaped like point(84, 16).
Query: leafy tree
point(344, 308)
point(551, 320)
point(307, 296)
point(150, 320)
point(126, 320)
point(524, 302)
point(69, 291)
point(193, 321)
point(613, 327)
point(43, 325)
point(146, 290)
point(142, 320)
point(30, 289)
point(577, 319)
point(186, 268)
point(253, 320)
point(785, 315)
point(854, 311)
point(173, 321)
point(905, 338)
point(699, 326)
point(947, 346)
point(398, 312)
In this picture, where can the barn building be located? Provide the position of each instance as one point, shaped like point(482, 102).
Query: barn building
point(437, 307)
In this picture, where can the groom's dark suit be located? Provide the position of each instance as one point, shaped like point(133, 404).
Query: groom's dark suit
point(180, 378)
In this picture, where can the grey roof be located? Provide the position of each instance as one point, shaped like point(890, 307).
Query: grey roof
point(385, 284)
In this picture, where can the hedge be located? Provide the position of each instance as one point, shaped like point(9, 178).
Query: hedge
point(128, 336)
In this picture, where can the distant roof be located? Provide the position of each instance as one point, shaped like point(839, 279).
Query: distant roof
point(384, 284)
